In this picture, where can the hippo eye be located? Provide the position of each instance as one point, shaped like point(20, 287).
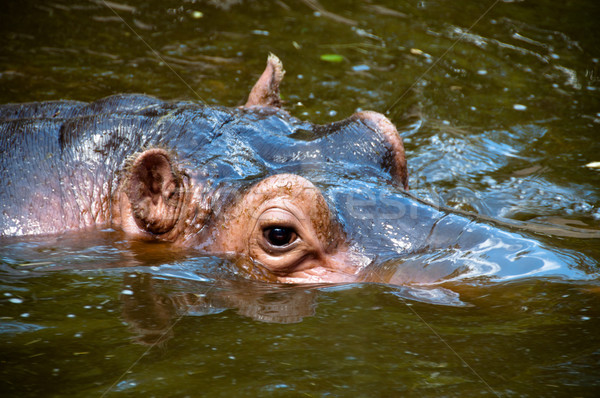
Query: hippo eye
point(280, 236)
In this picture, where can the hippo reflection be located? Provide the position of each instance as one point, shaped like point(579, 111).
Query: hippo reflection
point(153, 304)
point(151, 311)
point(287, 200)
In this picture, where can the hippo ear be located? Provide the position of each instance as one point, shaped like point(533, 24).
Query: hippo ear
point(154, 191)
point(266, 90)
point(381, 125)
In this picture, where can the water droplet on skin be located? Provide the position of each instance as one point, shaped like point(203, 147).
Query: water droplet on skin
point(16, 300)
point(127, 292)
point(519, 107)
point(482, 72)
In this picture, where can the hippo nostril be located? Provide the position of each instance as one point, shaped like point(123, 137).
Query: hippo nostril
point(280, 236)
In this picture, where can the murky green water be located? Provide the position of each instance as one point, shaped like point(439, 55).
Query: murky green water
point(509, 116)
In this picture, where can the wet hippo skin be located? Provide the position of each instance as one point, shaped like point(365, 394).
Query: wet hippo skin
point(287, 200)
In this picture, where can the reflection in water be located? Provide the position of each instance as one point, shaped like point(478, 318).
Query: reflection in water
point(152, 306)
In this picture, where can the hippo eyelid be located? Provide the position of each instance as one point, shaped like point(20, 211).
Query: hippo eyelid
point(278, 223)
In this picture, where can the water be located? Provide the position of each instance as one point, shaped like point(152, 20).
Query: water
point(500, 120)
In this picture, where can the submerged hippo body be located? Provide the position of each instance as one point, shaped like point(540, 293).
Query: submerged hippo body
point(241, 182)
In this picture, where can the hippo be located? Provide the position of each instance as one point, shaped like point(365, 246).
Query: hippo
point(284, 199)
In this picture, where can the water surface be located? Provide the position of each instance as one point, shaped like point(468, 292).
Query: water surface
point(501, 120)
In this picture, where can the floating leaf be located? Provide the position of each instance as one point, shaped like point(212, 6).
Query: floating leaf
point(332, 58)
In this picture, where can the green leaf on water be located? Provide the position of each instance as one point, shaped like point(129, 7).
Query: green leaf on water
point(332, 58)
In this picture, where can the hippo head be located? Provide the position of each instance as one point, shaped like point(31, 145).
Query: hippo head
point(285, 199)
point(278, 226)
